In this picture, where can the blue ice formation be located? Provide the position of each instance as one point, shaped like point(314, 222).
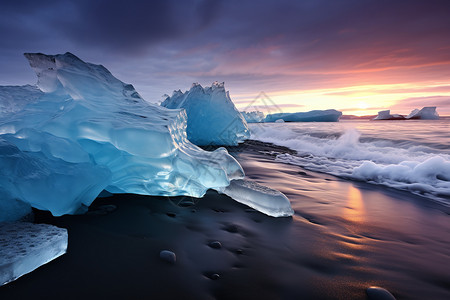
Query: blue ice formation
point(253, 116)
point(329, 115)
point(81, 130)
point(212, 118)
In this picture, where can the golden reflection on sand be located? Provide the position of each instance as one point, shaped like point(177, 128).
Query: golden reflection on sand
point(354, 211)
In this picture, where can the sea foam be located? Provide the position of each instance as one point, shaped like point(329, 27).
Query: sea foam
point(417, 168)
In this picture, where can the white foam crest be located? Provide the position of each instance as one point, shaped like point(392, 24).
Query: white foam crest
point(414, 168)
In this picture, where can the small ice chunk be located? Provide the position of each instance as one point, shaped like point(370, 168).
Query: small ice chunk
point(26, 246)
point(264, 199)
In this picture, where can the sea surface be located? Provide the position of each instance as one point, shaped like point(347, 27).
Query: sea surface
point(412, 155)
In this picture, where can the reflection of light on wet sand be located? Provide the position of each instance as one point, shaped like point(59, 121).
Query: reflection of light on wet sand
point(354, 210)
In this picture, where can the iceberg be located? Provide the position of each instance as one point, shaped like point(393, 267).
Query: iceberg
point(329, 115)
point(426, 113)
point(81, 131)
point(253, 116)
point(212, 118)
point(27, 246)
point(386, 115)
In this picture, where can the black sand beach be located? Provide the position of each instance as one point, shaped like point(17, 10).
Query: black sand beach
point(344, 237)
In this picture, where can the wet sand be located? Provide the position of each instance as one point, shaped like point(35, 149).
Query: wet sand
point(344, 237)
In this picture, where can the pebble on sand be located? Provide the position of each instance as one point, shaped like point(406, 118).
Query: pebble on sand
point(378, 293)
point(168, 256)
point(215, 245)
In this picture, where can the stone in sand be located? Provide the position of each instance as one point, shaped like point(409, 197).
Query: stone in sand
point(378, 293)
point(215, 245)
point(168, 256)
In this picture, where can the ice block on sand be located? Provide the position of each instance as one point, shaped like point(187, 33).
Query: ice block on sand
point(26, 246)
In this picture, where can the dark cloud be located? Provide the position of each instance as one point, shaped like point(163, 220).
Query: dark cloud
point(269, 45)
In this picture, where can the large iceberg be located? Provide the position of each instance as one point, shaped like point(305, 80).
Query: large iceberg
point(253, 116)
point(426, 113)
point(212, 118)
point(329, 115)
point(83, 130)
point(386, 115)
point(26, 246)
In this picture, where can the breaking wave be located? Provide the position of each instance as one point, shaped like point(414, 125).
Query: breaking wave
point(401, 158)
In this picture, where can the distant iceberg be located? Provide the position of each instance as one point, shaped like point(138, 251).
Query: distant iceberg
point(386, 115)
point(426, 113)
point(212, 118)
point(329, 115)
point(253, 116)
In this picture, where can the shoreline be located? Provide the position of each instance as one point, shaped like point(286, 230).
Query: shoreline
point(344, 237)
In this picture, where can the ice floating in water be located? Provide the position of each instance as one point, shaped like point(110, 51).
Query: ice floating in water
point(386, 115)
point(212, 118)
point(264, 199)
point(27, 246)
point(426, 113)
point(253, 116)
point(329, 115)
point(84, 131)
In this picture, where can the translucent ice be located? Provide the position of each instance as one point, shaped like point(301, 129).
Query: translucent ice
point(253, 116)
point(426, 113)
point(262, 198)
point(27, 246)
point(84, 130)
point(212, 118)
point(329, 115)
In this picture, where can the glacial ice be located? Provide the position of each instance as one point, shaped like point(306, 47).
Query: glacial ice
point(262, 198)
point(84, 131)
point(386, 115)
point(426, 113)
point(212, 118)
point(329, 115)
point(253, 116)
point(27, 246)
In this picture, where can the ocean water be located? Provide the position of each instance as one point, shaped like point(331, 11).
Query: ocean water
point(411, 155)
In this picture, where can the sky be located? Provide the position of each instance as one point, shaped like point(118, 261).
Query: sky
point(357, 56)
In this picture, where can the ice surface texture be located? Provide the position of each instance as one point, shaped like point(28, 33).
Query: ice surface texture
point(26, 246)
point(329, 115)
point(212, 118)
point(84, 130)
